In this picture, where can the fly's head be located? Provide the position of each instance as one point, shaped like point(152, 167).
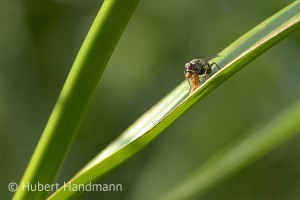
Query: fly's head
point(188, 70)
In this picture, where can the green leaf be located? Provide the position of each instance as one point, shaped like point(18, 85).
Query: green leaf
point(238, 155)
point(175, 104)
point(76, 95)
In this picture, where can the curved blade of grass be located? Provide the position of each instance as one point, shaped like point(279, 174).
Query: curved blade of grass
point(152, 123)
point(76, 95)
point(238, 155)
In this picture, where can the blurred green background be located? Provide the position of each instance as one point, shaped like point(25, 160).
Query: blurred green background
point(40, 39)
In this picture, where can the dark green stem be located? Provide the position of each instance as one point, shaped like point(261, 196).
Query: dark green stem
point(76, 95)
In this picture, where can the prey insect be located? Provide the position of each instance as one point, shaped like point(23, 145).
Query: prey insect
point(197, 67)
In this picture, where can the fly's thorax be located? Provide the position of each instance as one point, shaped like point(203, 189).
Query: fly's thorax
point(199, 69)
point(195, 61)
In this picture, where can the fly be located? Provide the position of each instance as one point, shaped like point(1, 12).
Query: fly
point(195, 68)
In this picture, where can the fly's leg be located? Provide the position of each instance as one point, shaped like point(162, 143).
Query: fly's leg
point(207, 67)
point(216, 65)
point(189, 82)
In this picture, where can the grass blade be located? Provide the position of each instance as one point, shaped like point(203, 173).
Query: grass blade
point(76, 96)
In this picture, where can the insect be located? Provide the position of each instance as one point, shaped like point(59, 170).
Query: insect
point(197, 67)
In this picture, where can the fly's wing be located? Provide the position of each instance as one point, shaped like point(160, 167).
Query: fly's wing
point(209, 58)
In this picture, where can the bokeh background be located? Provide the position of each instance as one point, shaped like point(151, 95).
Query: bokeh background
point(40, 39)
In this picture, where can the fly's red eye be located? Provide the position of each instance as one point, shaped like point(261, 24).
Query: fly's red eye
point(188, 67)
